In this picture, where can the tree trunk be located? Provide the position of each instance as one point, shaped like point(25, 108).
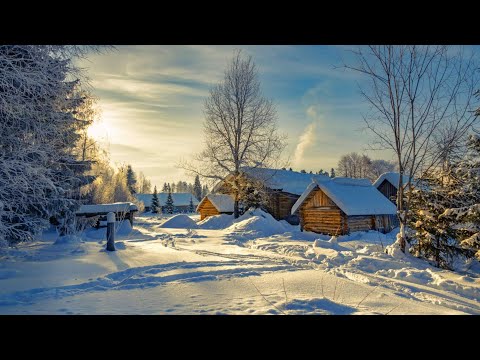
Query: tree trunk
point(401, 213)
point(235, 210)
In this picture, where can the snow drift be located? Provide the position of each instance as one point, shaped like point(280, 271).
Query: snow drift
point(180, 222)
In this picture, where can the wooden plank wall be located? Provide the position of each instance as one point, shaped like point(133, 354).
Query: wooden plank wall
point(280, 204)
point(388, 190)
point(323, 221)
point(207, 209)
point(361, 223)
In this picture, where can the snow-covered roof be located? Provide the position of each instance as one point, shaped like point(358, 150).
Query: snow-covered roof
point(179, 199)
point(352, 196)
point(285, 180)
point(223, 203)
point(392, 178)
point(106, 208)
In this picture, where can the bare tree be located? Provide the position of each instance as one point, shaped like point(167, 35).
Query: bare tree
point(416, 94)
point(240, 127)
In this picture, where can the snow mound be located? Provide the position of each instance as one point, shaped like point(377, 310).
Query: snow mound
point(255, 223)
point(180, 222)
point(216, 222)
point(124, 228)
point(68, 239)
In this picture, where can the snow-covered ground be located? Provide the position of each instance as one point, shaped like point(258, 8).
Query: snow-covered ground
point(254, 265)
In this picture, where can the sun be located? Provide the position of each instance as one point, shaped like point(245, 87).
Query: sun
point(98, 130)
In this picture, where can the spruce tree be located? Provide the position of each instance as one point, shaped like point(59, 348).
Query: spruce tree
point(131, 180)
point(197, 188)
point(332, 173)
point(169, 206)
point(191, 207)
point(155, 206)
point(165, 187)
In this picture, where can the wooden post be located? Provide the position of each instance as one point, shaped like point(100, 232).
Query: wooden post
point(111, 231)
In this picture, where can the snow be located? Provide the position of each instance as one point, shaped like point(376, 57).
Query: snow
point(223, 203)
point(392, 178)
point(288, 181)
point(180, 221)
point(179, 199)
point(251, 265)
point(106, 208)
point(352, 196)
point(221, 221)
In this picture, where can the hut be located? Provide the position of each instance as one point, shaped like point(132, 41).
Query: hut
point(122, 210)
point(283, 188)
point(342, 205)
point(215, 204)
point(181, 201)
point(387, 184)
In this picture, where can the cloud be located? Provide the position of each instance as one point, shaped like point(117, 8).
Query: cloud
point(307, 139)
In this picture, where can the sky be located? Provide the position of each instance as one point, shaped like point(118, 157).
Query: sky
point(151, 103)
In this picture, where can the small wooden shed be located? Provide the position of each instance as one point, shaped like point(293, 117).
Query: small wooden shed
point(387, 184)
point(342, 205)
point(215, 204)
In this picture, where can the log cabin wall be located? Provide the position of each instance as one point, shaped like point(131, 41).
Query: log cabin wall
point(361, 223)
point(207, 209)
point(390, 191)
point(280, 204)
point(320, 214)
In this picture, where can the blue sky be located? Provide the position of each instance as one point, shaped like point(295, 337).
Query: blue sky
point(151, 101)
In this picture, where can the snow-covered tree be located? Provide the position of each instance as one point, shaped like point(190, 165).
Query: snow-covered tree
point(421, 99)
point(332, 173)
point(446, 210)
point(155, 206)
point(42, 108)
point(169, 206)
point(197, 188)
point(240, 127)
point(191, 207)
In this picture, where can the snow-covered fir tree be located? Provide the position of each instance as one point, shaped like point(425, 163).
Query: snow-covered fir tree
point(165, 187)
point(155, 206)
point(446, 210)
point(191, 207)
point(41, 118)
point(169, 206)
point(197, 188)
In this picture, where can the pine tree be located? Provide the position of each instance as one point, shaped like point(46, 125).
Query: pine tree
point(165, 187)
point(290, 169)
point(197, 188)
point(303, 171)
point(332, 173)
point(155, 203)
point(169, 206)
point(131, 180)
point(191, 207)
point(446, 210)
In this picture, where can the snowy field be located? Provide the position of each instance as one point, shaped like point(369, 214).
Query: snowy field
point(254, 265)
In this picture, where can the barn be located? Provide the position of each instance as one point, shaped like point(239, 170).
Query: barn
point(387, 184)
point(342, 205)
point(215, 204)
point(284, 187)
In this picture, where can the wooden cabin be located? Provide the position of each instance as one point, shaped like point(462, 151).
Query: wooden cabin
point(387, 184)
point(215, 204)
point(342, 205)
point(283, 188)
point(122, 210)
